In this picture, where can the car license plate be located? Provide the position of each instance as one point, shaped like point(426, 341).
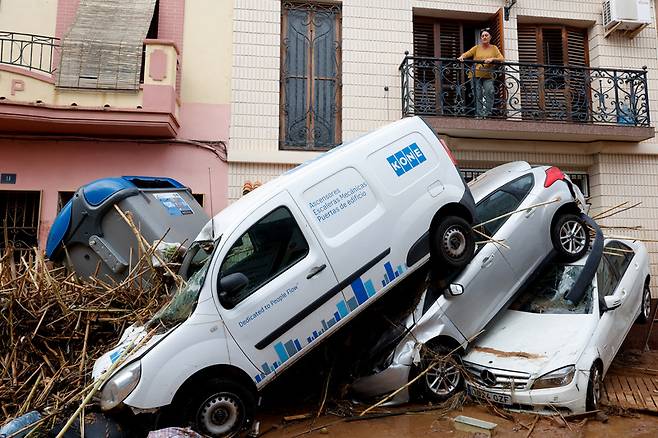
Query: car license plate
point(502, 399)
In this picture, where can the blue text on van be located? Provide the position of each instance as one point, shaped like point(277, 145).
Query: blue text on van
point(406, 159)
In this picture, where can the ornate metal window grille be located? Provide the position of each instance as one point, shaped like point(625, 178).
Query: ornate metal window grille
point(34, 52)
point(310, 76)
point(19, 220)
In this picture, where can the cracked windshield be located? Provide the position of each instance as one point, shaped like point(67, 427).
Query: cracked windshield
point(195, 267)
point(546, 294)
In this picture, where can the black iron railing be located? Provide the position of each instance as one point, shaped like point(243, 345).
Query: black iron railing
point(34, 52)
point(530, 92)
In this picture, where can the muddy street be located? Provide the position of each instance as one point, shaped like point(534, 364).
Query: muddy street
point(431, 423)
point(627, 411)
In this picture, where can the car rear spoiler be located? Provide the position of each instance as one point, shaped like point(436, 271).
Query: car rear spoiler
point(591, 265)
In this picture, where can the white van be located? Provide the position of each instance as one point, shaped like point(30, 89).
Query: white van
point(276, 272)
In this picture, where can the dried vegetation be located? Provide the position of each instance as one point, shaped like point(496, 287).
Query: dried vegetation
point(53, 327)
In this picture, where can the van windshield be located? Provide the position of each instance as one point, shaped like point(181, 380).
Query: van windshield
point(182, 304)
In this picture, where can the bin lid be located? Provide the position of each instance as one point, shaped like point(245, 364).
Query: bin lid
point(59, 229)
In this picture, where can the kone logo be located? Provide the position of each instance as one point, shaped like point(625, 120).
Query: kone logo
point(405, 160)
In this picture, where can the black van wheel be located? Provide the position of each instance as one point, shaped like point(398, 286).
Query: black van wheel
point(570, 237)
point(454, 242)
point(594, 388)
point(443, 379)
point(222, 408)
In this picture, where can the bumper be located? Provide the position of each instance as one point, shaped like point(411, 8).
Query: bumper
point(395, 376)
point(569, 399)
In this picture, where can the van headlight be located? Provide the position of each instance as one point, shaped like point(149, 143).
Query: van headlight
point(560, 377)
point(120, 386)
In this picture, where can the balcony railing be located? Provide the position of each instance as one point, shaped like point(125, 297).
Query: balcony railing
point(526, 92)
point(34, 52)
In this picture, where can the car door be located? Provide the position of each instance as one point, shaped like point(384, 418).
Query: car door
point(606, 283)
point(488, 278)
point(629, 288)
point(523, 233)
point(288, 301)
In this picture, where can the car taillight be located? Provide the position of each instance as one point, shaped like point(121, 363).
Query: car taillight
point(553, 174)
point(448, 151)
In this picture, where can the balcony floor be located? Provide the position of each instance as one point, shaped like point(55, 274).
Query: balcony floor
point(528, 130)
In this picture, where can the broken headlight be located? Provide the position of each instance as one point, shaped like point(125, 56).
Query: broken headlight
point(120, 386)
point(560, 377)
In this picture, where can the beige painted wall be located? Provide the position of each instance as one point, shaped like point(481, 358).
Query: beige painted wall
point(376, 34)
point(28, 16)
point(207, 51)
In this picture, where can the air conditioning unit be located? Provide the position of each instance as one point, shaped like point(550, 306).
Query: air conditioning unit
point(629, 16)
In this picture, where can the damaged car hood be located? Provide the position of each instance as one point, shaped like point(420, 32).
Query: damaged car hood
point(132, 336)
point(548, 342)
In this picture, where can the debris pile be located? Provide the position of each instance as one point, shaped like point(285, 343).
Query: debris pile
point(53, 327)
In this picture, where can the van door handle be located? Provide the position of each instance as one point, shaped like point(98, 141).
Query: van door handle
point(488, 261)
point(530, 212)
point(315, 271)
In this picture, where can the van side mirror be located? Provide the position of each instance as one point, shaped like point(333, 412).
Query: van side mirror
point(230, 284)
point(456, 289)
point(612, 302)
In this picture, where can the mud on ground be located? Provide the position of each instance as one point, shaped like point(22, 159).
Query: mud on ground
point(434, 424)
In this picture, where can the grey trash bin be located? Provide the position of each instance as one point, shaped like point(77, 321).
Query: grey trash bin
point(90, 235)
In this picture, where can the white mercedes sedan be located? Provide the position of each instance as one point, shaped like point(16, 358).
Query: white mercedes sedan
point(546, 353)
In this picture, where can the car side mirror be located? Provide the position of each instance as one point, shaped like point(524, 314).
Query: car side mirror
point(230, 284)
point(455, 289)
point(612, 302)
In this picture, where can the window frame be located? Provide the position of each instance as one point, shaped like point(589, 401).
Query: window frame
point(232, 304)
point(503, 189)
point(309, 144)
point(619, 268)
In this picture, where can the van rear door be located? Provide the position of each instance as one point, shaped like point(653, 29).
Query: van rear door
point(290, 298)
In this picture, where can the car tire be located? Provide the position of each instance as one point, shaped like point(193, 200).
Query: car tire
point(454, 241)
point(594, 388)
point(645, 306)
point(570, 237)
point(444, 378)
point(221, 408)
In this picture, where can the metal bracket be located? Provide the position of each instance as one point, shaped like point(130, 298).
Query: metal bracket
point(107, 254)
point(507, 8)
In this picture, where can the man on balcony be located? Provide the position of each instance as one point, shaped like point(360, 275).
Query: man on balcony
point(483, 82)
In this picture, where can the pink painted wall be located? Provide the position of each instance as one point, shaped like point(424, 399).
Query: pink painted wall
point(170, 27)
point(66, 10)
point(204, 121)
point(54, 166)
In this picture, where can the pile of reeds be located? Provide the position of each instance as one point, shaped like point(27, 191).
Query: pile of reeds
point(53, 327)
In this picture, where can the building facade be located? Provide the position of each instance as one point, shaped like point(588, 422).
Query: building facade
point(309, 75)
point(91, 89)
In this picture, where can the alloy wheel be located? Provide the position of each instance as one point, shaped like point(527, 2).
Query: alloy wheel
point(573, 236)
point(646, 303)
point(443, 377)
point(596, 387)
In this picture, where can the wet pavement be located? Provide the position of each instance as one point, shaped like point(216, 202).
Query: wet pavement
point(434, 424)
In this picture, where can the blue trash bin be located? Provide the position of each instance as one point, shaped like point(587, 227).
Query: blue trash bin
point(90, 236)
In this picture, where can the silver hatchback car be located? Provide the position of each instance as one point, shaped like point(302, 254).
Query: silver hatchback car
point(547, 219)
